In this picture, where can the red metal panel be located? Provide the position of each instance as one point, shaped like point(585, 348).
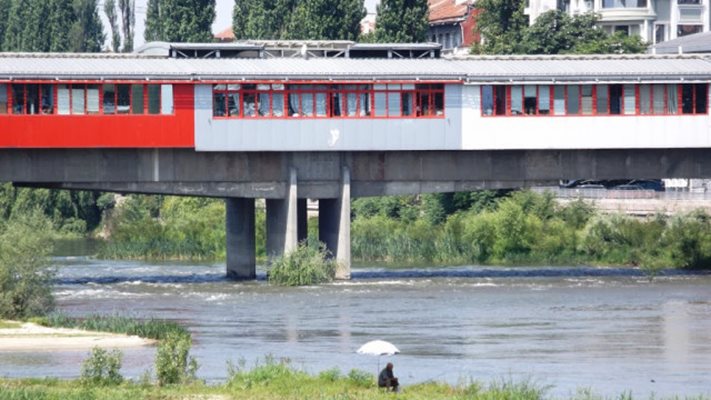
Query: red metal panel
point(105, 131)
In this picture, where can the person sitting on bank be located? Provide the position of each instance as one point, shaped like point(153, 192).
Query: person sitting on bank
point(386, 379)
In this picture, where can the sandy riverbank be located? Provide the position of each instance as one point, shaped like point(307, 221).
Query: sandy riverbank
point(29, 336)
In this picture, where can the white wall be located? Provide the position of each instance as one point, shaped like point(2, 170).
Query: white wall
point(589, 132)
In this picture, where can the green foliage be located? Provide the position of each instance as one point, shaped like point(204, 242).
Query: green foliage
point(154, 227)
point(87, 32)
point(25, 276)
point(360, 378)
point(505, 30)
point(110, 11)
point(180, 20)
point(402, 21)
point(102, 368)
point(325, 20)
point(261, 19)
point(173, 363)
point(307, 265)
point(4, 12)
point(149, 329)
point(71, 212)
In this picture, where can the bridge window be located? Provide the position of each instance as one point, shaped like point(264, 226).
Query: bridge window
point(602, 99)
point(3, 98)
point(335, 101)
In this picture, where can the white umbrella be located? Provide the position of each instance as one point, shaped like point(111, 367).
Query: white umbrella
point(378, 348)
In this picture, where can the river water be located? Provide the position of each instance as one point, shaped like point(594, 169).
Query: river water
point(611, 330)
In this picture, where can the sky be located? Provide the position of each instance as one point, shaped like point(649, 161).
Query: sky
point(222, 21)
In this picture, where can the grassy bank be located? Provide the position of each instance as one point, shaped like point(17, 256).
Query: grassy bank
point(148, 329)
point(276, 380)
point(486, 228)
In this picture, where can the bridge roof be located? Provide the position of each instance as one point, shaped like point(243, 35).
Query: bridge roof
point(504, 69)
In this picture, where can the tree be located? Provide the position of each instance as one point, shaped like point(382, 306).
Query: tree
point(33, 37)
point(556, 32)
point(25, 278)
point(261, 19)
point(402, 21)
point(61, 19)
point(326, 20)
point(128, 23)
point(17, 15)
point(110, 11)
point(87, 32)
point(154, 28)
point(501, 24)
point(4, 12)
point(180, 20)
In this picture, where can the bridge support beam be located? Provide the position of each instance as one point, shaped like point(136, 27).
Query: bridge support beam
point(302, 219)
point(241, 261)
point(334, 226)
point(282, 221)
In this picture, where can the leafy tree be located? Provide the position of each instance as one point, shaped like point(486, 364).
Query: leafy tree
point(556, 32)
point(180, 20)
point(33, 37)
point(128, 23)
point(154, 28)
point(4, 12)
point(402, 21)
point(25, 278)
point(61, 19)
point(501, 24)
point(18, 14)
point(110, 11)
point(326, 20)
point(87, 32)
point(505, 30)
point(261, 19)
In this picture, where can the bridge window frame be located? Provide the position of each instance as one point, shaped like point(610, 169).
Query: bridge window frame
point(606, 99)
point(85, 98)
point(315, 100)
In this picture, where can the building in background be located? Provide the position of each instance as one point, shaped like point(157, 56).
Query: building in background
point(655, 21)
point(452, 24)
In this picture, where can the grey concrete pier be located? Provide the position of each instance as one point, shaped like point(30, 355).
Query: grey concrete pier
point(334, 226)
point(240, 237)
point(282, 221)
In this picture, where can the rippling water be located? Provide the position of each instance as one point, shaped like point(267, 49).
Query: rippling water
point(608, 329)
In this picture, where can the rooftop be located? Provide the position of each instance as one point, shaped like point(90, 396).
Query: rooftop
point(696, 43)
point(501, 69)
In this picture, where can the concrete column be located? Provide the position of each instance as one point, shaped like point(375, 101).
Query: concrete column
point(282, 217)
point(334, 226)
point(241, 262)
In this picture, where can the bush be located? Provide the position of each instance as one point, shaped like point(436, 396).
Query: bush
point(102, 368)
point(25, 275)
point(173, 363)
point(307, 265)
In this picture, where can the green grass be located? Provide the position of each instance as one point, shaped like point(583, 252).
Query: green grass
point(9, 324)
point(277, 380)
point(149, 329)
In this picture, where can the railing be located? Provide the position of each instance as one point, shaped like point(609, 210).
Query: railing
point(601, 193)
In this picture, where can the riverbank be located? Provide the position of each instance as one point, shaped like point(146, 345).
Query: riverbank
point(24, 336)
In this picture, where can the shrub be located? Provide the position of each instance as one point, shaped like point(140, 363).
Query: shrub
point(25, 275)
point(102, 368)
point(173, 363)
point(360, 378)
point(307, 265)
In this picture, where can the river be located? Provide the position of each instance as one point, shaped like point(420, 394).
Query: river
point(611, 330)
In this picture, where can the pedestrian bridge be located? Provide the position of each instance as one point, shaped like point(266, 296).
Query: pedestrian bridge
point(287, 121)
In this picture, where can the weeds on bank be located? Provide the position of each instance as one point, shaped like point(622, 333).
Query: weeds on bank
point(150, 329)
point(307, 265)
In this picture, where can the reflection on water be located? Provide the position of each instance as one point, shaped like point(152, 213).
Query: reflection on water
point(609, 329)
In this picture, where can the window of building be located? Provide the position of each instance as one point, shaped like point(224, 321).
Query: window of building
point(694, 98)
point(3, 99)
point(696, 2)
point(137, 99)
point(660, 33)
point(154, 99)
point(684, 30)
point(602, 99)
point(624, 3)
